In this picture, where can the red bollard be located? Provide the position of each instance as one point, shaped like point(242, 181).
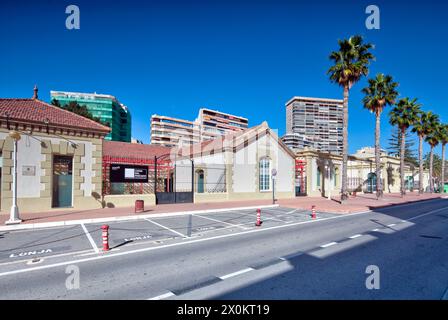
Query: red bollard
point(259, 222)
point(313, 212)
point(105, 229)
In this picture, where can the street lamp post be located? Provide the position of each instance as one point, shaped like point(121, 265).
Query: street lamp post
point(14, 217)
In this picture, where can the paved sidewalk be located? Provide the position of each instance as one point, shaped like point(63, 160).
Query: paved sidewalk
point(362, 202)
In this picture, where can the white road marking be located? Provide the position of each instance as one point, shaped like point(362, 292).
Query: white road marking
point(190, 242)
point(392, 225)
point(89, 237)
point(223, 222)
point(162, 296)
point(375, 230)
point(425, 214)
point(356, 236)
point(445, 295)
point(169, 229)
point(328, 245)
point(234, 274)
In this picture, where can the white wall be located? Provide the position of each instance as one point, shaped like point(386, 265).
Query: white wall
point(244, 169)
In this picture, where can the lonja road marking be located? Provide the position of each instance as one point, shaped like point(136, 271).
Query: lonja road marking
point(30, 253)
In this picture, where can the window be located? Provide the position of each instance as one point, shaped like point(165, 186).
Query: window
point(264, 175)
point(319, 177)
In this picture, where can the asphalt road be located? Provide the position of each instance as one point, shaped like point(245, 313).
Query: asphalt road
point(224, 256)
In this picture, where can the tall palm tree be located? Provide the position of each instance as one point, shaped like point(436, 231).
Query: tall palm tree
point(432, 138)
point(403, 115)
point(380, 93)
point(422, 128)
point(351, 63)
point(443, 138)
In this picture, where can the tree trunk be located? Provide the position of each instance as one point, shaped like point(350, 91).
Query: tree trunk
point(379, 184)
point(431, 181)
point(420, 164)
point(344, 193)
point(402, 154)
point(443, 168)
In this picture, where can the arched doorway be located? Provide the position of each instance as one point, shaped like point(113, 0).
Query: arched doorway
point(200, 181)
point(371, 182)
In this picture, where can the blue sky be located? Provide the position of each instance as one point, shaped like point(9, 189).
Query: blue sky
point(241, 57)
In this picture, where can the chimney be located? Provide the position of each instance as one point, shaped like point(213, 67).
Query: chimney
point(35, 96)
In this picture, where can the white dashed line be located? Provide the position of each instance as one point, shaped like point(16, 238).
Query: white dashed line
point(392, 225)
point(163, 296)
point(355, 236)
point(328, 245)
point(375, 230)
point(234, 274)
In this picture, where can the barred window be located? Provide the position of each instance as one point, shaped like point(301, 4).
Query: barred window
point(264, 175)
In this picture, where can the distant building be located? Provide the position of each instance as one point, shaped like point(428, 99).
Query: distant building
point(105, 107)
point(214, 123)
point(315, 123)
point(169, 132)
point(137, 141)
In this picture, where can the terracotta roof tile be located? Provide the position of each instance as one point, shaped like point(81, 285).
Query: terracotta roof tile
point(36, 111)
point(133, 150)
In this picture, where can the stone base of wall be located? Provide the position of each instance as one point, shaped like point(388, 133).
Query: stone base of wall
point(221, 197)
point(120, 201)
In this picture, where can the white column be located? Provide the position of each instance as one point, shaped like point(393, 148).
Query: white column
point(14, 213)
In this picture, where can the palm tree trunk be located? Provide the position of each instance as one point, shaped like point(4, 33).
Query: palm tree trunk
point(344, 194)
point(379, 185)
point(431, 181)
point(402, 153)
point(420, 164)
point(443, 168)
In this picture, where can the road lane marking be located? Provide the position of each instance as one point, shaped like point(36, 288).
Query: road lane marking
point(375, 230)
point(169, 229)
point(328, 245)
point(216, 220)
point(392, 225)
point(89, 237)
point(234, 274)
point(356, 236)
point(425, 214)
point(445, 295)
point(162, 296)
point(100, 257)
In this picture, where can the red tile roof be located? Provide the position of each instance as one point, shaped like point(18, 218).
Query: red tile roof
point(133, 150)
point(36, 111)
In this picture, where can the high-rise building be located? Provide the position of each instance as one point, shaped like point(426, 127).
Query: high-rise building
point(170, 132)
point(106, 107)
point(316, 123)
point(214, 123)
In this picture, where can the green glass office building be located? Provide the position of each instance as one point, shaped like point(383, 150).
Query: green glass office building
point(105, 107)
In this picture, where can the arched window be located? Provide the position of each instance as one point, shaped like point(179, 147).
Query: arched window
point(264, 175)
point(200, 181)
point(318, 176)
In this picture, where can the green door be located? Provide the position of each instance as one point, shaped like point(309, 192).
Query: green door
point(201, 181)
point(62, 181)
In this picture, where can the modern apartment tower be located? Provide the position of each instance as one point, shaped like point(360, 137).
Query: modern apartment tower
point(106, 107)
point(170, 132)
point(315, 123)
point(214, 123)
point(209, 124)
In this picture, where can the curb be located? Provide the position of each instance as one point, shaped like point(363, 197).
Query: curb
point(43, 225)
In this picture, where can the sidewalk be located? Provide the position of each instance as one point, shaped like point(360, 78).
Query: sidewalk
point(360, 203)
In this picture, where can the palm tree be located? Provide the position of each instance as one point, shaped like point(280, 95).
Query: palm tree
point(422, 128)
point(380, 93)
point(443, 138)
point(432, 138)
point(350, 65)
point(403, 115)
